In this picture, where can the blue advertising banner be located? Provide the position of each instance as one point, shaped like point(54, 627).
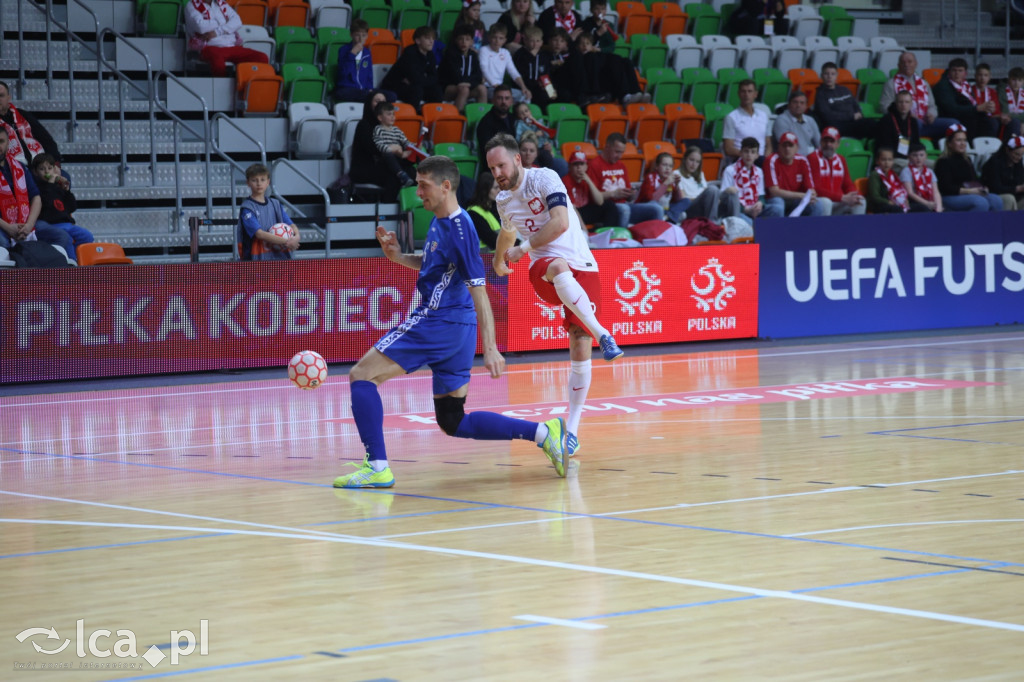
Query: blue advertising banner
point(850, 274)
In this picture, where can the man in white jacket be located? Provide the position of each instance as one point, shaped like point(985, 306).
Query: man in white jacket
point(212, 27)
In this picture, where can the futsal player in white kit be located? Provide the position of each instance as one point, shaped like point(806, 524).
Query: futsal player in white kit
point(534, 205)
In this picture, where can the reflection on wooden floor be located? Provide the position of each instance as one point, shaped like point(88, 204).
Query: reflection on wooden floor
point(837, 511)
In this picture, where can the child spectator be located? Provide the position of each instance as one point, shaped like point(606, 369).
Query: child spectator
point(496, 63)
point(393, 145)
point(526, 123)
point(1012, 96)
point(662, 187)
point(886, 193)
point(460, 74)
point(835, 105)
point(534, 65)
point(257, 215)
point(469, 15)
point(1003, 174)
point(528, 150)
point(985, 93)
point(746, 181)
point(598, 28)
point(706, 200)
point(920, 182)
point(585, 195)
point(413, 78)
point(355, 66)
point(58, 203)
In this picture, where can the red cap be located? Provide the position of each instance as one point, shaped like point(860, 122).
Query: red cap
point(578, 157)
point(830, 132)
point(788, 138)
point(1015, 142)
point(954, 129)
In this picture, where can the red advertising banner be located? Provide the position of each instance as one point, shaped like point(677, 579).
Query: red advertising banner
point(151, 319)
point(651, 295)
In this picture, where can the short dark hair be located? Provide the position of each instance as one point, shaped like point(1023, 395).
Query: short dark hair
point(39, 159)
point(439, 168)
point(383, 107)
point(746, 81)
point(501, 88)
point(750, 143)
point(829, 65)
point(502, 140)
point(424, 32)
point(957, 61)
point(1016, 73)
point(795, 94)
point(497, 28)
point(615, 137)
point(359, 25)
point(916, 147)
point(884, 148)
point(256, 169)
point(6, 86)
point(662, 155)
point(462, 30)
point(983, 65)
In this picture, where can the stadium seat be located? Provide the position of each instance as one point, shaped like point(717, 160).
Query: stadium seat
point(651, 150)
point(101, 253)
point(332, 14)
point(606, 119)
point(633, 160)
point(259, 89)
point(347, 111)
point(820, 51)
point(806, 81)
point(569, 122)
point(379, 71)
point(669, 19)
point(855, 53)
point(838, 23)
point(858, 163)
point(570, 148)
point(313, 130)
point(408, 121)
point(384, 46)
point(288, 13)
point(701, 86)
point(665, 90)
point(773, 85)
point(932, 76)
point(444, 123)
point(684, 122)
point(719, 52)
point(303, 83)
point(728, 80)
point(647, 51)
point(789, 53)
point(684, 52)
point(862, 186)
point(257, 38)
point(159, 17)
point(411, 14)
point(849, 145)
point(377, 13)
point(474, 112)
point(335, 36)
point(646, 123)
point(5, 258)
point(252, 12)
point(460, 154)
point(295, 44)
point(872, 82)
point(712, 165)
point(703, 19)
point(755, 53)
point(809, 24)
point(714, 114)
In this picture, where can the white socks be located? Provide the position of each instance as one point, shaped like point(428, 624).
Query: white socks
point(579, 386)
point(542, 433)
point(576, 300)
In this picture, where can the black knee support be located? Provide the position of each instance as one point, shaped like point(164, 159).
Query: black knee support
point(449, 412)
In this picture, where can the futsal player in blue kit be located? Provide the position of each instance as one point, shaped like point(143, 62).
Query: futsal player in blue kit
point(440, 334)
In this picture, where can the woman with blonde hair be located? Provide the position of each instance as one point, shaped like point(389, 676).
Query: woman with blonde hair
point(706, 201)
point(516, 19)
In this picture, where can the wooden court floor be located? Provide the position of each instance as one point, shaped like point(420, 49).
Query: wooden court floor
point(844, 510)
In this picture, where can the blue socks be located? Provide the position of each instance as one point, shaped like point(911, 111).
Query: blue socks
point(368, 411)
point(494, 426)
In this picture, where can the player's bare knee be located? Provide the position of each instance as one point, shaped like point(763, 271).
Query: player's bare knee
point(449, 412)
point(555, 268)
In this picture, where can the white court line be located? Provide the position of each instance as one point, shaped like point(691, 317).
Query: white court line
point(561, 621)
point(900, 525)
point(682, 360)
point(581, 568)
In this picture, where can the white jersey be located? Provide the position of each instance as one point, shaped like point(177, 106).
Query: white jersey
point(526, 210)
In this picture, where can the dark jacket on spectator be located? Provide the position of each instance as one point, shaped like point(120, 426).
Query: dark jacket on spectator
point(1001, 177)
point(460, 68)
point(58, 203)
point(952, 172)
point(891, 128)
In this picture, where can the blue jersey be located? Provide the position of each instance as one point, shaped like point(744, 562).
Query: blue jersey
point(451, 263)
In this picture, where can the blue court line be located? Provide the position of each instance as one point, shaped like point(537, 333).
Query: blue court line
point(226, 666)
point(903, 433)
point(496, 505)
point(110, 546)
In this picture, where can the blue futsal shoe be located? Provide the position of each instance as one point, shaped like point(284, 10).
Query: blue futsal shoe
point(609, 348)
point(572, 444)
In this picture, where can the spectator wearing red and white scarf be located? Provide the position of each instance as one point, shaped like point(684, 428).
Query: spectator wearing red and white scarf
point(28, 137)
point(1011, 95)
point(212, 27)
point(832, 177)
point(886, 193)
point(955, 98)
point(788, 180)
point(920, 182)
point(746, 180)
point(561, 15)
point(924, 110)
point(989, 96)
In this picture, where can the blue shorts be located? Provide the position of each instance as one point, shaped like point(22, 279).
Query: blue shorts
point(447, 348)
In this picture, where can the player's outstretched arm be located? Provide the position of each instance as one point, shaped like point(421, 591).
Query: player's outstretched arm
point(493, 360)
point(506, 238)
point(389, 244)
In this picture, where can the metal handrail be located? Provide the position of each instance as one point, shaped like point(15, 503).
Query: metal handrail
point(297, 211)
point(204, 135)
point(223, 118)
point(149, 92)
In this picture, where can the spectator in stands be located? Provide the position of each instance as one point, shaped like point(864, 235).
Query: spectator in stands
point(836, 106)
point(609, 174)
point(58, 203)
point(498, 119)
point(257, 215)
point(955, 98)
point(602, 32)
point(924, 109)
point(355, 66)
point(460, 74)
point(745, 181)
point(212, 28)
point(832, 178)
point(998, 120)
point(484, 211)
point(393, 145)
point(661, 187)
point(20, 204)
point(534, 65)
point(793, 120)
point(561, 15)
point(496, 63)
point(1011, 97)
point(528, 150)
point(27, 135)
point(706, 200)
point(898, 129)
point(746, 121)
point(789, 180)
point(751, 16)
point(886, 194)
point(527, 124)
point(598, 77)
point(920, 182)
point(367, 166)
point(516, 20)
point(413, 78)
point(958, 183)
point(1003, 174)
point(469, 15)
point(585, 195)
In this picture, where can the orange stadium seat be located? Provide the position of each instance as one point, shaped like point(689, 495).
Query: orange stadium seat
point(444, 122)
point(651, 151)
point(408, 121)
point(101, 253)
point(712, 165)
point(606, 119)
point(259, 88)
point(253, 12)
point(634, 162)
point(669, 19)
point(684, 123)
point(807, 81)
point(645, 122)
point(932, 76)
point(570, 148)
point(384, 46)
point(289, 13)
